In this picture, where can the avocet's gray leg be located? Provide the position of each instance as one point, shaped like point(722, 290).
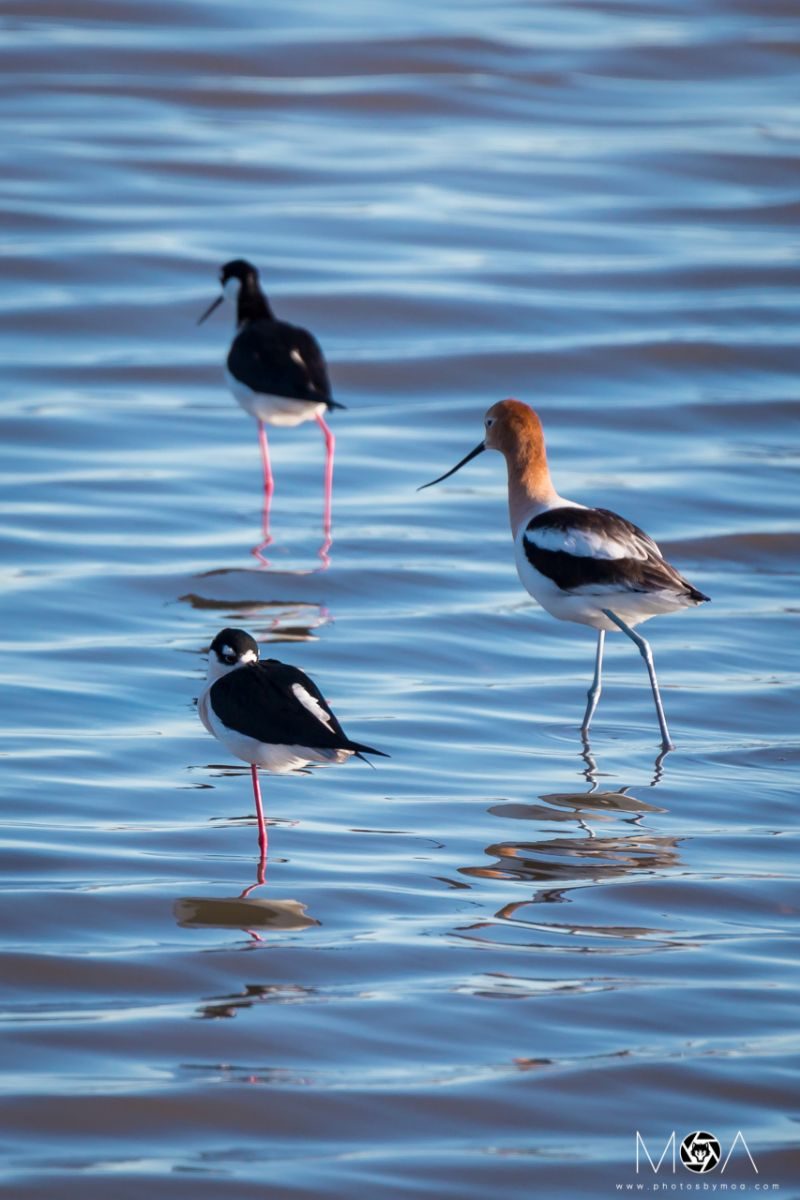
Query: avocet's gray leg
point(647, 655)
point(597, 684)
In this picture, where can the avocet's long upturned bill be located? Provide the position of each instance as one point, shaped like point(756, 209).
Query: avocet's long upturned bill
point(269, 714)
point(276, 371)
point(581, 564)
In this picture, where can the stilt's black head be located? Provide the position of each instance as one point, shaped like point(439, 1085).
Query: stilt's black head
point(239, 281)
point(233, 648)
point(241, 269)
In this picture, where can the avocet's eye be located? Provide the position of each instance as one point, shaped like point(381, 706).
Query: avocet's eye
point(489, 422)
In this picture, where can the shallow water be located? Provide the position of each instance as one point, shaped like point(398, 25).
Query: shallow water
point(480, 968)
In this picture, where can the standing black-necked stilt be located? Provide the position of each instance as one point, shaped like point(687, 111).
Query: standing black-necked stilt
point(581, 564)
point(269, 714)
point(277, 373)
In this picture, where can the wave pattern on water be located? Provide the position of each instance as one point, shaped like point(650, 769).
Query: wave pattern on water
point(590, 205)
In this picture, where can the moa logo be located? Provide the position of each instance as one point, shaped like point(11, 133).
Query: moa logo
point(700, 1152)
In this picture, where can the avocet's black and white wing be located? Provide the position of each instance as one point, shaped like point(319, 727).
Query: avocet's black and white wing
point(595, 551)
point(274, 358)
point(278, 705)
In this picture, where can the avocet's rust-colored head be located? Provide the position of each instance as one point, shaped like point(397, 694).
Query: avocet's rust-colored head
point(511, 427)
point(515, 430)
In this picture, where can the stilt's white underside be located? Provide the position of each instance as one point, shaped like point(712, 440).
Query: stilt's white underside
point(274, 410)
point(278, 759)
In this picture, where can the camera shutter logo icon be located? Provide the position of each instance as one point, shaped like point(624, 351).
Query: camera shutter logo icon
point(700, 1152)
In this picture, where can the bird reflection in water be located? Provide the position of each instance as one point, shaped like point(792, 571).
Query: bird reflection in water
point(242, 912)
point(323, 553)
point(560, 864)
point(261, 878)
point(591, 772)
point(253, 993)
point(576, 861)
point(271, 620)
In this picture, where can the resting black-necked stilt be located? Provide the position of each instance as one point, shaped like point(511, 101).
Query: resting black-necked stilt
point(581, 564)
point(269, 714)
point(277, 373)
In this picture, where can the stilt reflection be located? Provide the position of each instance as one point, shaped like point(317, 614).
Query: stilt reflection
point(255, 916)
point(270, 620)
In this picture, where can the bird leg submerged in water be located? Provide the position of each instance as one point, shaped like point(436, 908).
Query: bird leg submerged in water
point(261, 869)
point(647, 655)
point(327, 518)
point(597, 685)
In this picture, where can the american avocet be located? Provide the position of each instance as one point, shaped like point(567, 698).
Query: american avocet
point(277, 373)
point(581, 564)
point(269, 714)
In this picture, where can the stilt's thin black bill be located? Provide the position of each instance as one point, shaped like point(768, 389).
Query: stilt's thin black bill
point(214, 304)
point(472, 454)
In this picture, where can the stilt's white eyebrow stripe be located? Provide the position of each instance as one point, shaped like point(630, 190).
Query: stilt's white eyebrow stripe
point(312, 704)
point(248, 656)
point(231, 288)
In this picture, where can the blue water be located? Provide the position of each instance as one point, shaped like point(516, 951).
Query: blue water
point(480, 968)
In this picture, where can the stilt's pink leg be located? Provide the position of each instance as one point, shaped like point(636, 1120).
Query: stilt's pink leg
point(262, 826)
point(261, 870)
point(330, 445)
point(269, 488)
point(261, 874)
point(269, 482)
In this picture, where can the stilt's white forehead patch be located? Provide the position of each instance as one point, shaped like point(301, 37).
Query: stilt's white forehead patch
point(312, 704)
point(297, 357)
point(231, 288)
point(248, 656)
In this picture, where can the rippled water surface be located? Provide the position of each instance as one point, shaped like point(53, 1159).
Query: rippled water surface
point(478, 969)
